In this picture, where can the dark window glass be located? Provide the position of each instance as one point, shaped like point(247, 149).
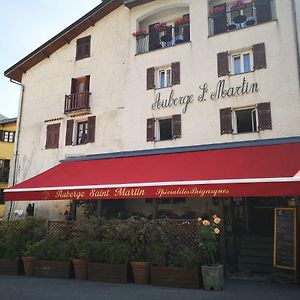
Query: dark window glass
point(82, 130)
point(165, 129)
point(246, 120)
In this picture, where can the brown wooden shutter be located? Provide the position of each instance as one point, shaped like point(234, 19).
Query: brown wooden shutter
point(259, 56)
point(56, 135)
point(176, 126)
point(87, 46)
point(223, 64)
point(49, 137)
point(151, 130)
point(175, 73)
point(263, 11)
point(87, 83)
point(150, 78)
point(154, 39)
point(226, 120)
point(264, 116)
point(186, 29)
point(79, 50)
point(69, 132)
point(73, 86)
point(91, 129)
point(52, 138)
point(1, 135)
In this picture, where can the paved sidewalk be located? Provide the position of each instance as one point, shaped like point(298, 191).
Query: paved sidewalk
point(33, 288)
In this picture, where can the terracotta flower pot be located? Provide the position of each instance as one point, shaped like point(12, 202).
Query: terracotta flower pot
point(28, 262)
point(81, 268)
point(141, 271)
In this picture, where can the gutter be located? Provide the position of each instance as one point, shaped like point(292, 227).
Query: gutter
point(296, 34)
point(16, 154)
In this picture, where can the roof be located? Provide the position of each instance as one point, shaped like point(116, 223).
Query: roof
point(64, 37)
point(6, 121)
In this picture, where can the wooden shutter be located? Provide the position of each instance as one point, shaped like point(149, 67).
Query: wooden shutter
point(176, 126)
point(49, 141)
point(79, 49)
point(52, 138)
point(154, 40)
point(150, 78)
point(264, 116)
point(87, 46)
point(263, 11)
point(87, 83)
point(91, 129)
point(223, 64)
point(226, 120)
point(56, 135)
point(186, 29)
point(69, 132)
point(1, 135)
point(151, 130)
point(175, 73)
point(259, 56)
point(73, 86)
point(220, 18)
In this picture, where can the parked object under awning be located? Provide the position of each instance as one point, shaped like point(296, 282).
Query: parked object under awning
point(271, 170)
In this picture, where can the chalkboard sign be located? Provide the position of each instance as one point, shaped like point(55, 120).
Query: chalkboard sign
point(285, 238)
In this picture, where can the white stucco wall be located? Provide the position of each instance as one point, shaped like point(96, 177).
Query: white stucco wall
point(119, 98)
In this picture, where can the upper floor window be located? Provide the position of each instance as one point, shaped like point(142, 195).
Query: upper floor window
point(164, 77)
point(236, 14)
point(83, 48)
point(4, 169)
point(163, 129)
point(246, 119)
point(7, 136)
point(52, 136)
point(241, 62)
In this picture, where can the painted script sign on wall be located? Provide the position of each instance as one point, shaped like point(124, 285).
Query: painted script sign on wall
point(219, 92)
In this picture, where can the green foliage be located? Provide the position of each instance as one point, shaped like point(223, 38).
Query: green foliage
point(115, 252)
point(18, 233)
point(185, 257)
point(53, 247)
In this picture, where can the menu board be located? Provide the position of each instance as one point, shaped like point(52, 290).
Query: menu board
point(285, 238)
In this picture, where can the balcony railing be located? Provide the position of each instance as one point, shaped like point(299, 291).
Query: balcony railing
point(243, 16)
point(75, 102)
point(162, 39)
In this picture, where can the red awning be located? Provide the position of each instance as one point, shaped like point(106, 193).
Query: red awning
point(271, 170)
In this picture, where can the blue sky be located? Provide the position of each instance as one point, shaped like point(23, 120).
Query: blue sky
point(24, 26)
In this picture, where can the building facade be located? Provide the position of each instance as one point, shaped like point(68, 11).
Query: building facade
point(149, 78)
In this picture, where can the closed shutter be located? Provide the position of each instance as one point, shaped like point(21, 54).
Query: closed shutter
point(223, 64)
point(1, 135)
point(259, 56)
point(150, 78)
point(220, 18)
point(175, 73)
point(264, 116)
point(226, 120)
point(87, 46)
point(154, 40)
point(56, 135)
point(79, 50)
point(52, 138)
point(176, 126)
point(186, 29)
point(69, 132)
point(263, 11)
point(151, 130)
point(49, 141)
point(73, 86)
point(91, 129)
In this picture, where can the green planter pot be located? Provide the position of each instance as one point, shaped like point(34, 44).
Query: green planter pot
point(213, 277)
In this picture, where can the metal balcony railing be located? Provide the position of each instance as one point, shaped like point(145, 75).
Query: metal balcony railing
point(242, 16)
point(163, 38)
point(77, 101)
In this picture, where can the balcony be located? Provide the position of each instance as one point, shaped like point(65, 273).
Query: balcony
point(77, 102)
point(239, 14)
point(164, 37)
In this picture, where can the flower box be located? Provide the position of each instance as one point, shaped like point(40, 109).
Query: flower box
point(10, 266)
point(117, 273)
point(175, 277)
point(52, 269)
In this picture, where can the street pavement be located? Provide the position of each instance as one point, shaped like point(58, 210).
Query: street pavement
point(34, 288)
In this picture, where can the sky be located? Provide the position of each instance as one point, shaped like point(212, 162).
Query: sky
point(24, 26)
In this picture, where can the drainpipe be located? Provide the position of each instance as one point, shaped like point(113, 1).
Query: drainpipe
point(294, 16)
point(17, 142)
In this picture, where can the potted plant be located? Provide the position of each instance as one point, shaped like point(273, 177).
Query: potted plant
point(52, 256)
point(212, 273)
point(160, 26)
point(140, 33)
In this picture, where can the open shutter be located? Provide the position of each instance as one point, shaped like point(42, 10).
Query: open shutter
point(56, 128)
point(49, 137)
point(73, 86)
point(175, 73)
point(151, 130)
point(91, 129)
point(69, 132)
point(259, 56)
point(1, 135)
point(87, 83)
point(264, 116)
point(223, 64)
point(186, 29)
point(150, 78)
point(226, 120)
point(176, 126)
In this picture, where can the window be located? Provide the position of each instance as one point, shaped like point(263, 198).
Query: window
point(4, 169)
point(52, 139)
point(246, 119)
point(241, 62)
point(164, 129)
point(83, 48)
point(80, 132)
point(161, 77)
point(7, 136)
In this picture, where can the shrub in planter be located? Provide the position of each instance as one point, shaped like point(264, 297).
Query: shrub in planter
point(52, 256)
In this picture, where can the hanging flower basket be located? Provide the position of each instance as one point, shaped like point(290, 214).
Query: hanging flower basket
point(181, 21)
point(139, 33)
point(160, 26)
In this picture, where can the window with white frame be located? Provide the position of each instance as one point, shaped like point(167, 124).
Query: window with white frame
point(164, 77)
point(82, 131)
point(241, 62)
point(245, 120)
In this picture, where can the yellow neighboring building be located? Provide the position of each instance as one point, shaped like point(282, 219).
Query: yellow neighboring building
point(7, 140)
